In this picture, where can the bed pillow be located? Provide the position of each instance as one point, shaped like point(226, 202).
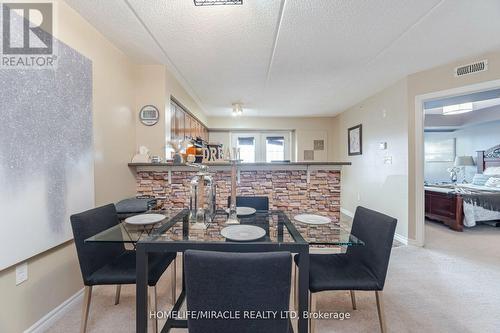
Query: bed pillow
point(492, 171)
point(480, 179)
point(493, 182)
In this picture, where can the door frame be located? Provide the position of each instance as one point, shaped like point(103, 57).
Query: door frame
point(419, 146)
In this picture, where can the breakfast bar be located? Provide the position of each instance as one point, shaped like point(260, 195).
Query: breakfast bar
point(291, 187)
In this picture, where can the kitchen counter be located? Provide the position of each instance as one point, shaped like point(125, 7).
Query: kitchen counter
point(243, 166)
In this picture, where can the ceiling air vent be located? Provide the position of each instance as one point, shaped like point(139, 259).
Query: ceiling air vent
point(480, 66)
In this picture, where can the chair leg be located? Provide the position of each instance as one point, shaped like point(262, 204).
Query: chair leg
point(380, 309)
point(312, 308)
point(87, 293)
point(174, 279)
point(117, 294)
point(353, 299)
point(295, 296)
point(181, 266)
point(153, 306)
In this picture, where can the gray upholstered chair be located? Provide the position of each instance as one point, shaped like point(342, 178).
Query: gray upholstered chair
point(361, 267)
point(111, 264)
point(221, 281)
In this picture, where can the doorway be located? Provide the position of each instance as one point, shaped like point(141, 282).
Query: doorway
point(419, 153)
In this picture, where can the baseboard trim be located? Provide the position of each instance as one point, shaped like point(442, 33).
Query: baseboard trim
point(405, 240)
point(346, 212)
point(401, 239)
point(44, 324)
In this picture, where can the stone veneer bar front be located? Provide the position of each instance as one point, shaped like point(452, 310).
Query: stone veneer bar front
point(292, 187)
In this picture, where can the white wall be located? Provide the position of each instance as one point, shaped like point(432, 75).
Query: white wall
point(468, 141)
point(370, 182)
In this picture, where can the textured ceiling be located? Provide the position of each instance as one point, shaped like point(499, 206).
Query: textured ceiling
point(294, 57)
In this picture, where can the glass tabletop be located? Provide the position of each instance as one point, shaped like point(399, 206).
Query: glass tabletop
point(279, 228)
point(130, 233)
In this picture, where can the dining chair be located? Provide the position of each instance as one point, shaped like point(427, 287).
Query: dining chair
point(258, 203)
point(361, 267)
point(112, 264)
point(237, 282)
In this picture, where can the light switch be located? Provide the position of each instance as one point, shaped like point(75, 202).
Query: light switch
point(382, 145)
point(21, 273)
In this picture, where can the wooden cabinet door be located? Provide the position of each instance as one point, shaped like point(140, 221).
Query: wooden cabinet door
point(173, 123)
point(179, 118)
point(189, 126)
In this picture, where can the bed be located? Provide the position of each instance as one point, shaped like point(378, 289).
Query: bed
point(459, 205)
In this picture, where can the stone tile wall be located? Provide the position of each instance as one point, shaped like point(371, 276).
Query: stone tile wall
point(287, 190)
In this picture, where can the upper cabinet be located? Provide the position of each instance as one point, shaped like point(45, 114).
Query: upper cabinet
point(184, 125)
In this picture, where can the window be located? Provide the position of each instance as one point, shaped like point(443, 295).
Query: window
point(246, 145)
point(275, 148)
point(262, 146)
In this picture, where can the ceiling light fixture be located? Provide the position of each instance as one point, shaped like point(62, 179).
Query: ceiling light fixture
point(217, 2)
point(457, 109)
point(237, 109)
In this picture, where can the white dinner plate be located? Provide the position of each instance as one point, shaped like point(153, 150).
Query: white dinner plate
point(312, 219)
point(243, 211)
point(145, 219)
point(243, 232)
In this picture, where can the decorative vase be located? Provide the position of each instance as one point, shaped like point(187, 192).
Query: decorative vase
point(177, 159)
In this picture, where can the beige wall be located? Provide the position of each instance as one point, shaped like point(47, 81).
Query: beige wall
point(151, 89)
point(156, 85)
point(433, 80)
point(305, 129)
point(55, 275)
point(369, 181)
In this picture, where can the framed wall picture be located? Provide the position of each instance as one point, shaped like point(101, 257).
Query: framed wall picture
point(319, 144)
point(355, 140)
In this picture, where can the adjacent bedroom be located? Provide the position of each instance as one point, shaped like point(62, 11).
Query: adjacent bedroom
point(462, 162)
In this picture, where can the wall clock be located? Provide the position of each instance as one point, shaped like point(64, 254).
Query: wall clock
point(149, 115)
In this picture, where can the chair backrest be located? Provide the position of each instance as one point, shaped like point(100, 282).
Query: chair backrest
point(237, 282)
point(376, 230)
point(93, 256)
point(258, 203)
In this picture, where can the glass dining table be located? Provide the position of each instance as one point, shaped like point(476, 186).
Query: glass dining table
point(176, 234)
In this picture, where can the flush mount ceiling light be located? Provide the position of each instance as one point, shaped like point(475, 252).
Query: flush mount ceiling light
point(237, 109)
point(457, 109)
point(217, 2)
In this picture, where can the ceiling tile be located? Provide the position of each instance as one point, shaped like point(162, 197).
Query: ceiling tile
point(328, 54)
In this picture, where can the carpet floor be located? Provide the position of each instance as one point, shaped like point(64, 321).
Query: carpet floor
point(450, 285)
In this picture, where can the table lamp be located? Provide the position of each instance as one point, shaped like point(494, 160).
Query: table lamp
point(462, 161)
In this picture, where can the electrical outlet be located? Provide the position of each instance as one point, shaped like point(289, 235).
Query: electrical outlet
point(359, 197)
point(21, 273)
point(388, 160)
